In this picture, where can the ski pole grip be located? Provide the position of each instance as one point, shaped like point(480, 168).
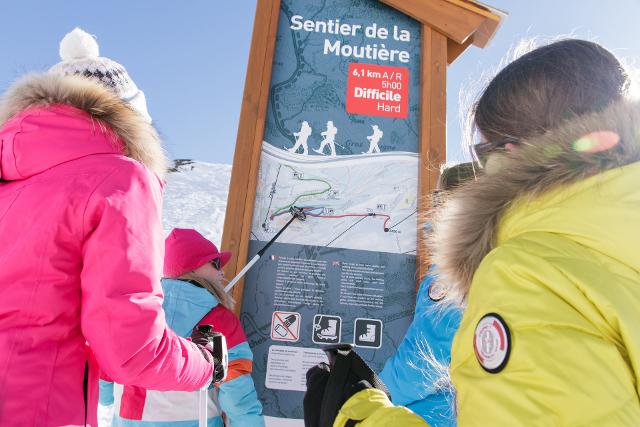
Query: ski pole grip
point(205, 329)
point(219, 351)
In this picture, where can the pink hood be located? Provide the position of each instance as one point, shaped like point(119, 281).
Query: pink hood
point(113, 126)
point(81, 251)
point(42, 137)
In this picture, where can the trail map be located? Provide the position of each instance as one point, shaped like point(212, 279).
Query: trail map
point(358, 202)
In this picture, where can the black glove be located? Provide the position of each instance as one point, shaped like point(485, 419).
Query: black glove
point(328, 388)
point(317, 378)
point(201, 336)
point(214, 348)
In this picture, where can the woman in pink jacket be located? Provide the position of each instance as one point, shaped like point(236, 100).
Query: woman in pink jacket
point(81, 245)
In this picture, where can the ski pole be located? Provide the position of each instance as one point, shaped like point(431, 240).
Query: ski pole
point(204, 390)
point(202, 406)
point(218, 345)
point(296, 213)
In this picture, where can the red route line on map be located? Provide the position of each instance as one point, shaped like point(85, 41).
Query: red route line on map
point(387, 217)
point(308, 210)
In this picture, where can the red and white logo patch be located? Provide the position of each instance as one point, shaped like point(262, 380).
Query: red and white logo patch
point(492, 343)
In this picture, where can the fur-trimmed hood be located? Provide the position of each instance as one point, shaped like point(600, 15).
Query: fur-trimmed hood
point(140, 140)
point(470, 223)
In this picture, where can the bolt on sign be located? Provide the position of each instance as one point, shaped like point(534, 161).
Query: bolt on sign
point(344, 119)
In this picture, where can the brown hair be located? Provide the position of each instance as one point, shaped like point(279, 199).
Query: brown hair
point(216, 289)
point(547, 86)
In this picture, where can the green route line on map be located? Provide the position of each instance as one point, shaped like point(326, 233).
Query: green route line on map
point(309, 209)
point(316, 193)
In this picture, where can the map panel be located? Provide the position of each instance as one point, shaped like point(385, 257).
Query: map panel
point(356, 202)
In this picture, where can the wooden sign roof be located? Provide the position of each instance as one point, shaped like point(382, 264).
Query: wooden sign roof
point(463, 22)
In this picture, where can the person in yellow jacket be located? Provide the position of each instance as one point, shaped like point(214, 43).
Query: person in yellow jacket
point(542, 252)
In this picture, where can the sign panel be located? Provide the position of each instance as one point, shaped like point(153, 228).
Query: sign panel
point(341, 142)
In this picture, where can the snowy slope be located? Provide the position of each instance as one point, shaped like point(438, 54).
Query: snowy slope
point(195, 196)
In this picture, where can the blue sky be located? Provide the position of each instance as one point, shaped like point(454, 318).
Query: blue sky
point(190, 57)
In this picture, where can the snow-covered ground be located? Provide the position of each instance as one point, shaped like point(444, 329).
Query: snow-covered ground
point(195, 196)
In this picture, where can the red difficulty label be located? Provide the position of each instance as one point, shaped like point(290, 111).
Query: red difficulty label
point(378, 90)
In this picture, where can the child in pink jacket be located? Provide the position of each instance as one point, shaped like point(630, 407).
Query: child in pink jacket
point(81, 245)
point(194, 295)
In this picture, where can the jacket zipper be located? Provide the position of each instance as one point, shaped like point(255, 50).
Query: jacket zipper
point(85, 390)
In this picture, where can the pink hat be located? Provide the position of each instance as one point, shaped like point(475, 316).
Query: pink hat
point(186, 249)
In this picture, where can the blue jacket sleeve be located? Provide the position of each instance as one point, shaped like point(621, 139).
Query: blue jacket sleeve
point(437, 409)
point(416, 374)
point(238, 398)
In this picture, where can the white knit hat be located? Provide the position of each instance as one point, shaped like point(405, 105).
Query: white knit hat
point(81, 55)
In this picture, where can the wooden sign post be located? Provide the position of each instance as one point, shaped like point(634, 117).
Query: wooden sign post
point(343, 116)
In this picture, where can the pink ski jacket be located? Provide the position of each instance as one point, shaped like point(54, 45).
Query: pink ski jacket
point(81, 250)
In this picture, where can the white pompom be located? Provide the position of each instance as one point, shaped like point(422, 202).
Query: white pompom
point(78, 44)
